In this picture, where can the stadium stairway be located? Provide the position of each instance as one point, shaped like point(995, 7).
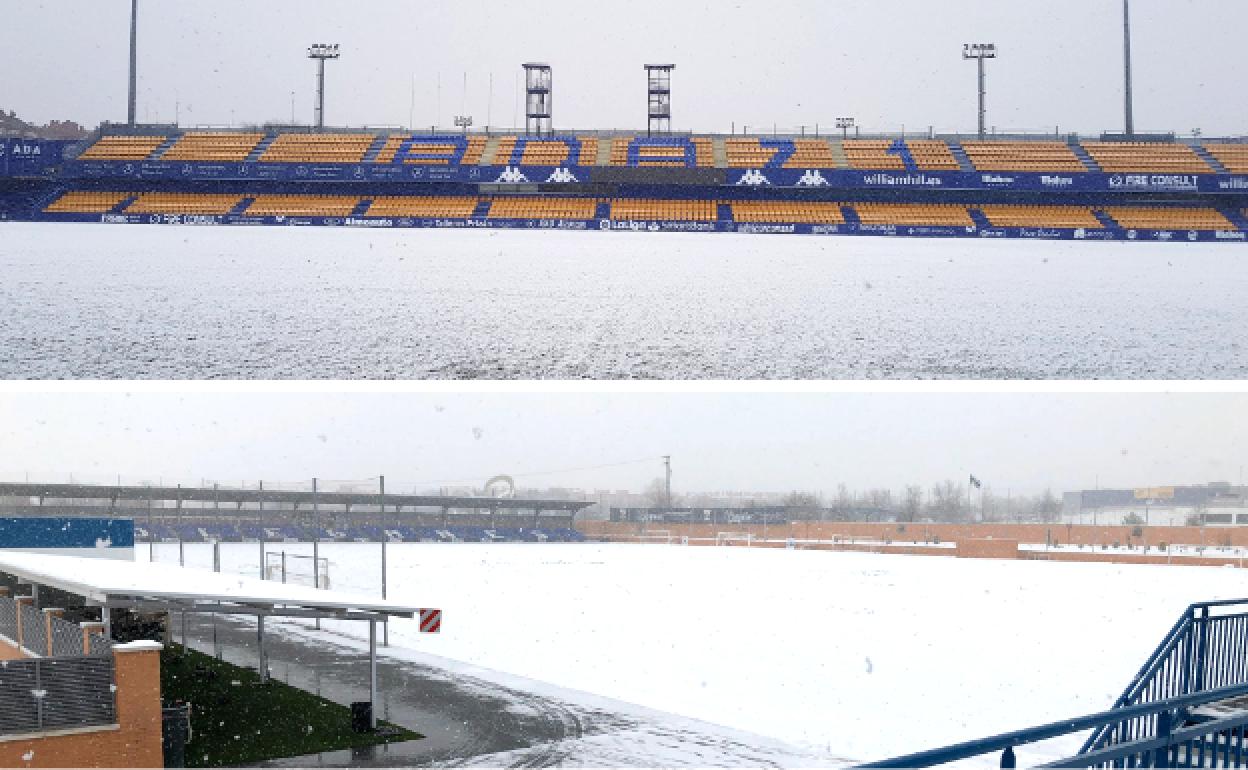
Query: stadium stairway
point(723, 212)
point(604, 151)
point(851, 215)
point(719, 150)
point(242, 206)
point(838, 153)
point(602, 211)
point(482, 210)
point(120, 207)
point(490, 156)
point(902, 150)
point(160, 151)
point(259, 149)
point(1207, 157)
point(979, 217)
point(1236, 216)
point(361, 208)
point(1084, 157)
point(1105, 219)
point(959, 154)
point(379, 143)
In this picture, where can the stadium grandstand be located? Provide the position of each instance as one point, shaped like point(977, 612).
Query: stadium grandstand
point(1062, 187)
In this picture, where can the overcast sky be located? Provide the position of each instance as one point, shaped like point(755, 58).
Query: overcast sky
point(744, 442)
point(755, 62)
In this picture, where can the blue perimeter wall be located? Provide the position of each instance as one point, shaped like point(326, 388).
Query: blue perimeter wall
point(26, 533)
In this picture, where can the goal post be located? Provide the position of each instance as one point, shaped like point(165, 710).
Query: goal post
point(728, 538)
point(656, 535)
point(301, 569)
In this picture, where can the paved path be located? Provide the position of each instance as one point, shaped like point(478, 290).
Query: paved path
point(470, 721)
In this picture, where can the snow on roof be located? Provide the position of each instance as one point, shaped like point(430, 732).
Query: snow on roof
point(106, 581)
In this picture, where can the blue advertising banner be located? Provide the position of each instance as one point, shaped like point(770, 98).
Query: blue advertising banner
point(30, 157)
point(847, 179)
point(42, 533)
point(321, 172)
point(614, 225)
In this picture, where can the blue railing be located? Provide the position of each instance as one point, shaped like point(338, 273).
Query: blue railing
point(1157, 721)
point(1176, 744)
point(1206, 649)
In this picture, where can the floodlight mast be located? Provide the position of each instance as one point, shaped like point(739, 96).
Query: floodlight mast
point(134, 61)
point(659, 98)
point(1126, 53)
point(539, 97)
point(979, 52)
point(845, 124)
point(321, 52)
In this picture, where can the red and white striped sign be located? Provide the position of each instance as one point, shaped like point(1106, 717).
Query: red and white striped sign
point(430, 621)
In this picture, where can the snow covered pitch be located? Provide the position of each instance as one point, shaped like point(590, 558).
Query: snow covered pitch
point(282, 303)
point(856, 655)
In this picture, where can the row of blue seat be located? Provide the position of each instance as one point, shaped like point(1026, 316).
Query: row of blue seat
point(204, 533)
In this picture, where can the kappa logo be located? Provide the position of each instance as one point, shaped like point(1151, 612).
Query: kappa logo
point(812, 178)
point(512, 175)
point(753, 178)
point(562, 175)
point(1117, 180)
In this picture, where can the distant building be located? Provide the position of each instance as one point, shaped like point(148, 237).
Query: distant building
point(1217, 504)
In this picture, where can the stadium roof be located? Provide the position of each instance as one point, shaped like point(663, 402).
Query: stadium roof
point(164, 587)
point(225, 495)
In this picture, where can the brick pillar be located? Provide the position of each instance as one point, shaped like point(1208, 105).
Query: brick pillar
point(48, 614)
point(90, 627)
point(22, 601)
point(137, 676)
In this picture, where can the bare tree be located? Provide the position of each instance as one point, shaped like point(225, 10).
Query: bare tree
point(1047, 507)
point(912, 503)
point(656, 493)
point(948, 502)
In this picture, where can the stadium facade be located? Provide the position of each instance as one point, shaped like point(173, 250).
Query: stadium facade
point(1217, 504)
point(1057, 187)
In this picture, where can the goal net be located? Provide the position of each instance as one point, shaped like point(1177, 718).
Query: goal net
point(657, 536)
point(734, 538)
point(283, 567)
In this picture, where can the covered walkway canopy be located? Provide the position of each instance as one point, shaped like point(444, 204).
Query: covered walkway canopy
point(146, 587)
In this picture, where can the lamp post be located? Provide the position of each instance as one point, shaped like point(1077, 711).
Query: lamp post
point(979, 52)
point(134, 60)
point(1126, 58)
point(464, 122)
point(321, 52)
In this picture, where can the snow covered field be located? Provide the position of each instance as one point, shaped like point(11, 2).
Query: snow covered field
point(846, 654)
point(112, 301)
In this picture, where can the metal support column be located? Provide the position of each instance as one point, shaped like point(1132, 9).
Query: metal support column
point(372, 674)
point(106, 617)
point(260, 529)
point(385, 641)
point(1126, 52)
point(264, 661)
point(134, 61)
point(983, 112)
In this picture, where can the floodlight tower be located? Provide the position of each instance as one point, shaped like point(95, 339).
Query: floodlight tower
point(979, 52)
point(659, 84)
point(134, 60)
point(538, 99)
point(321, 52)
point(1126, 53)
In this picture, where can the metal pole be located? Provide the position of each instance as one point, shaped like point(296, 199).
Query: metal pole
point(372, 674)
point(260, 528)
point(1126, 51)
point(320, 94)
point(106, 617)
point(385, 641)
point(134, 60)
point(982, 113)
point(316, 545)
point(181, 552)
point(264, 665)
point(283, 568)
point(667, 465)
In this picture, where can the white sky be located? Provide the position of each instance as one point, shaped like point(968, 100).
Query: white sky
point(750, 442)
point(754, 62)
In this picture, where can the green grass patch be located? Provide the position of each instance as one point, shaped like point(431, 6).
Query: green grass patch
point(237, 720)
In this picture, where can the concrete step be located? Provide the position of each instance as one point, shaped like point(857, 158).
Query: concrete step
point(851, 216)
point(604, 150)
point(259, 149)
point(720, 152)
point(375, 148)
point(724, 212)
point(1236, 216)
point(1106, 219)
point(959, 154)
point(838, 152)
point(120, 207)
point(978, 217)
point(361, 208)
point(603, 211)
point(1084, 157)
point(160, 151)
point(1207, 157)
point(489, 157)
point(482, 210)
point(241, 206)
